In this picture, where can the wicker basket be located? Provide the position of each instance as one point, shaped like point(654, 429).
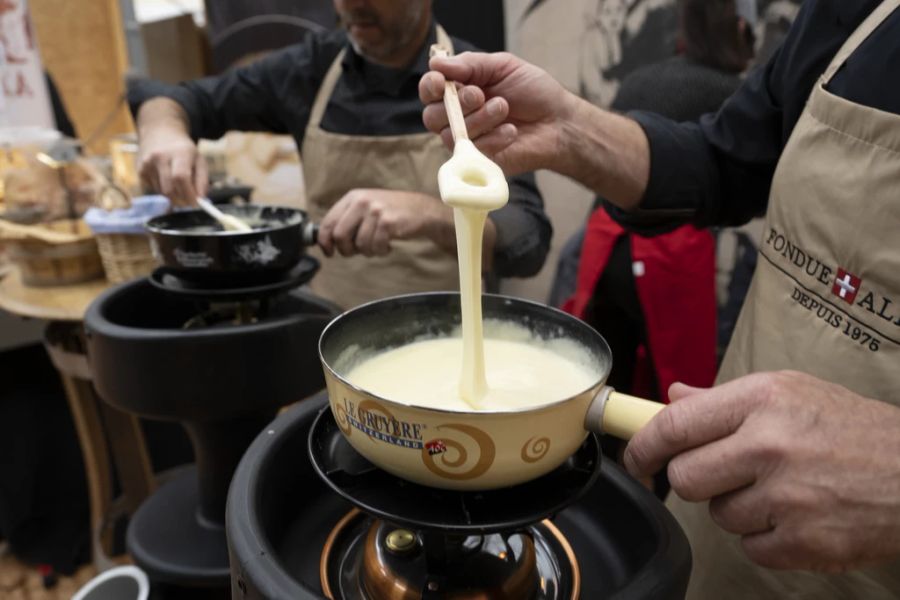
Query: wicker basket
point(126, 256)
point(47, 263)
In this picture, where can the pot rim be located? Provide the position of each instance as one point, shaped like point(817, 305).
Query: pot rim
point(593, 389)
point(177, 233)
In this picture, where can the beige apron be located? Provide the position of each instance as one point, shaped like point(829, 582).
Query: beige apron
point(334, 164)
point(825, 300)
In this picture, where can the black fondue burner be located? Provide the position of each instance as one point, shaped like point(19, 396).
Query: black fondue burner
point(176, 353)
point(309, 518)
point(440, 543)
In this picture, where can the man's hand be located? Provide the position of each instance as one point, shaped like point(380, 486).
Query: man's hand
point(514, 109)
point(807, 472)
point(522, 118)
point(169, 160)
point(365, 221)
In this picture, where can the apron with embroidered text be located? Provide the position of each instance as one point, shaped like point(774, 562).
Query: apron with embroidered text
point(334, 164)
point(825, 300)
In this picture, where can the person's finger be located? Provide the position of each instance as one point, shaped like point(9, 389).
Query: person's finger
point(166, 185)
point(381, 241)
point(182, 175)
point(471, 98)
point(201, 176)
point(703, 418)
point(498, 140)
point(471, 68)
point(745, 511)
point(150, 175)
point(431, 88)
point(712, 470)
point(325, 237)
point(677, 391)
point(364, 240)
point(487, 119)
point(346, 228)
point(435, 118)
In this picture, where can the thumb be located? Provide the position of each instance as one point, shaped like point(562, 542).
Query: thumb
point(679, 391)
point(473, 68)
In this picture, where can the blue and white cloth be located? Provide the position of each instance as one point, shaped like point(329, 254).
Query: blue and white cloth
point(127, 220)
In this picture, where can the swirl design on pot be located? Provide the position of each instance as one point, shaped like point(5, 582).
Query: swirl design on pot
point(439, 463)
point(340, 417)
point(535, 449)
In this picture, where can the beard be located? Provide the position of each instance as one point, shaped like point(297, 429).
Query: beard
point(395, 36)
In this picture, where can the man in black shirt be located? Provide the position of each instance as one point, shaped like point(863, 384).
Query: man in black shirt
point(349, 99)
point(801, 467)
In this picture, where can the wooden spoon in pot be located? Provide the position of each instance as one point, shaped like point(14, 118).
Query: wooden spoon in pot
point(229, 222)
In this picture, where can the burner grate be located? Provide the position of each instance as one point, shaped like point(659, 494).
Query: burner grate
point(301, 274)
point(418, 507)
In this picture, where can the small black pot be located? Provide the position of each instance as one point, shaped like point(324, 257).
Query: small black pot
point(193, 246)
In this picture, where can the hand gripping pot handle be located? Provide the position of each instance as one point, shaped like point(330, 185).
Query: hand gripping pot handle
point(310, 234)
point(619, 415)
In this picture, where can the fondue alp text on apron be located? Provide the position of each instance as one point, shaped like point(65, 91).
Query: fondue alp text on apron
point(334, 164)
point(825, 300)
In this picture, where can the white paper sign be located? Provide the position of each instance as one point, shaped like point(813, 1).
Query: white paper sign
point(24, 98)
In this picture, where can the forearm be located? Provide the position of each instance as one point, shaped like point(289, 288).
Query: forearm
point(606, 152)
point(162, 114)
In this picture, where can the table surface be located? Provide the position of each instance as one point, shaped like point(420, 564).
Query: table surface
point(57, 303)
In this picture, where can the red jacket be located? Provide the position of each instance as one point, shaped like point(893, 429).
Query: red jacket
point(675, 279)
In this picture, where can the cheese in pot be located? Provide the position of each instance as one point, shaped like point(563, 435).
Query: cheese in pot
point(522, 371)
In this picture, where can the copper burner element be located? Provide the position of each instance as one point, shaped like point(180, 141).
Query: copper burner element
point(368, 559)
point(236, 313)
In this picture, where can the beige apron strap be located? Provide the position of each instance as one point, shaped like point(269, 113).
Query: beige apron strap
point(862, 33)
point(334, 74)
point(325, 90)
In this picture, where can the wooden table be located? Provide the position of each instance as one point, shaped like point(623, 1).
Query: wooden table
point(60, 303)
point(108, 437)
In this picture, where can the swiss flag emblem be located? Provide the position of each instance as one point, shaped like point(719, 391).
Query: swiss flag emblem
point(436, 447)
point(846, 286)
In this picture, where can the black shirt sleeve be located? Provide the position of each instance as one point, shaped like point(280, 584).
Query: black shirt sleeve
point(523, 230)
point(253, 97)
point(719, 171)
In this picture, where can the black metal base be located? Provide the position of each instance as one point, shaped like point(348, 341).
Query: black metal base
point(280, 513)
point(169, 539)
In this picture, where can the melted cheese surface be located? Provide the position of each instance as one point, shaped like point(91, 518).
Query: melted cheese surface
point(521, 371)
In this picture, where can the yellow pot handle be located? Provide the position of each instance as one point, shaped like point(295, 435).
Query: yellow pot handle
point(619, 415)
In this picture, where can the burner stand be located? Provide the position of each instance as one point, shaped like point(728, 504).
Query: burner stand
point(223, 384)
point(428, 543)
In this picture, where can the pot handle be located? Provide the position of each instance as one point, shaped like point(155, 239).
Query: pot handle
point(310, 234)
point(619, 415)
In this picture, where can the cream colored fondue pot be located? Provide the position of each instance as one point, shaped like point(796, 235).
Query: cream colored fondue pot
point(468, 450)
